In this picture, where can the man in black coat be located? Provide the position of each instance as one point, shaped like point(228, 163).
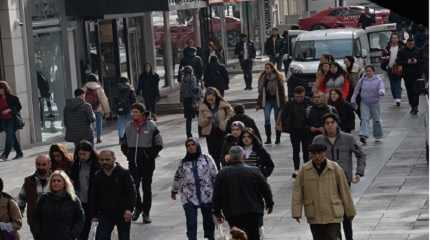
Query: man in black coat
point(315, 113)
point(410, 59)
point(239, 115)
point(293, 121)
point(113, 205)
point(241, 194)
point(216, 76)
point(245, 50)
point(273, 48)
point(191, 59)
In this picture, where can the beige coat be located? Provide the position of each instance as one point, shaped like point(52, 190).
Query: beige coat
point(326, 198)
point(12, 212)
point(205, 116)
point(104, 102)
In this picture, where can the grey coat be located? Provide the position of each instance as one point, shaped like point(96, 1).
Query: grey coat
point(147, 137)
point(341, 152)
point(78, 117)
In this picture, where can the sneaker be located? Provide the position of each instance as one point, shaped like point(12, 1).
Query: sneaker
point(363, 140)
point(268, 141)
point(294, 175)
point(146, 219)
point(3, 157)
point(99, 140)
point(378, 140)
point(136, 214)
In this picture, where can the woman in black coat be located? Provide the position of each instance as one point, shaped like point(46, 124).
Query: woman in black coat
point(148, 87)
point(216, 76)
point(10, 120)
point(255, 154)
point(58, 214)
point(344, 110)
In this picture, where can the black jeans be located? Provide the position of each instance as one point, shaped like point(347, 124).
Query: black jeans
point(142, 171)
point(246, 66)
point(326, 231)
point(106, 225)
point(347, 228)
point(297, 138)
point(411, 89)
point(87, 224)
point(11, 140)
point(250, 223)
point(191, 217)
point(150, 104)
point(214, 141)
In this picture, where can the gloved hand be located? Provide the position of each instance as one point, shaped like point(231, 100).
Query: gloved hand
point(6, 227)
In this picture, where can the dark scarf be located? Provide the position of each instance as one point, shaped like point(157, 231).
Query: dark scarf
point(193, 156)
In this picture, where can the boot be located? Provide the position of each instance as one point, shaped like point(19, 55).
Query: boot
point(278, 137)
point(268, 134)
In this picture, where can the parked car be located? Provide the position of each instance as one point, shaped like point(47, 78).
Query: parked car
point(365, 45)
point(341, 17)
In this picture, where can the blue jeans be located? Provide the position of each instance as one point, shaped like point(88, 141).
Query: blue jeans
point(106, 225)
point(11, 140)
point(191, 218)
point(370, 111)
point(121, 122)
point(99, 120)
point(268, 110)
point(395, 85)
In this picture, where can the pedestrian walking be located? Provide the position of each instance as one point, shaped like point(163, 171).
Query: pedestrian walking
point(370, 88)
point(241, 194)
point(189, 97)
point(59, 213)
point(83, 173)
point(214, 112)
point(191, 59)
point(230, 140)
point(273, 48)
point(240, 115)
point(113, 205)
point(255, 153)
point(245, 50)
point(61, 159)
point(216, 76)
point(323, 211)
point(34, 187)
point(410, 59)
point(345, 110)
point(78, 118)
point(215, 50)
point(142, 143)
point(45, 94)
point(315, 112)
point(285, 50)
point(335, 79)
point(389, 63)
point(271, 96)
point(340, 147)
point(292, 120)
point(352, 73)
point(366, 19)
point(322, 73)
point(420, 36)
point(10, 216)
point(96, 97)
point(148, 88)
point(10, 121)
point(194, 181)
point(122, 104)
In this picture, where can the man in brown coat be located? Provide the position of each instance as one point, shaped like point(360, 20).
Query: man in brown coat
point(321, 187)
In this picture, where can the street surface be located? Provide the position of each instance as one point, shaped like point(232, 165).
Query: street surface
point(391, 200)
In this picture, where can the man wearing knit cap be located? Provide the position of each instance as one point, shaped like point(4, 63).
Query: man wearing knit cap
point(241, 194)
point(321, 187)
point(231, 140)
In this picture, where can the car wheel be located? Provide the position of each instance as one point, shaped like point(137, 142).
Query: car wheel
point(318, 27)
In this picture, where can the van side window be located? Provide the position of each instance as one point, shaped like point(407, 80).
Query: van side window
point(379, 40)
point(357, 48)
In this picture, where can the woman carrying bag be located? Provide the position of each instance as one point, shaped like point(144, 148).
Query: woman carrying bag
point(10, 216)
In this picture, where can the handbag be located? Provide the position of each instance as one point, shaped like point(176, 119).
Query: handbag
point(397, 70)
point(19, 122)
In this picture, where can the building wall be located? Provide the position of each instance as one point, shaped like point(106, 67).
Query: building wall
point(15, 61)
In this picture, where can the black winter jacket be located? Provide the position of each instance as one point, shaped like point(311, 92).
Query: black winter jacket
point(148, 86)
point(315, 113)
point(74, 176)
point(264, 160)
point(290, 118)
point(191, 59)
point(245, 119)
point(273, 49)
point(346, 116)
point(57, 217)
point(78, 117)
point(240, 189)
point(216, 76)
point(119, 196)
point(410, 70)
point(229, 141)
point(239, 50)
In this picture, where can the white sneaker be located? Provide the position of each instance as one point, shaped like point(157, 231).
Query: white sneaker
point(378, 140)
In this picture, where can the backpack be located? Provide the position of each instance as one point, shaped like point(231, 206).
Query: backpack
point(92, 98)
point(123, 101)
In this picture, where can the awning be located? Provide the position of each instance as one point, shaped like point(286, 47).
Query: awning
point(100, 8)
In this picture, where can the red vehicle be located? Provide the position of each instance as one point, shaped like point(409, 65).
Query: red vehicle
point(341, 17)
point(181, 33)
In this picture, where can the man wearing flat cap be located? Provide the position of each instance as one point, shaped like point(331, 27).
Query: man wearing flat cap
point(322, 189)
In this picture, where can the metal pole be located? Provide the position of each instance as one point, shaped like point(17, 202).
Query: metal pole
point(224, 33)
point(168, 61)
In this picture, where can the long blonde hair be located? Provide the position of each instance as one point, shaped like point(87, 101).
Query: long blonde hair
point(70, 190)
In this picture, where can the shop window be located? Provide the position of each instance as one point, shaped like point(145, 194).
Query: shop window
point(45, 9)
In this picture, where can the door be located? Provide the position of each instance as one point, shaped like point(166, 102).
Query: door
point(378, 37)
point(292, 35)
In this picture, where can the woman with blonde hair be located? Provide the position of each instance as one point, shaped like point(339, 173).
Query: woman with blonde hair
point(59, 213)
point(271, 96)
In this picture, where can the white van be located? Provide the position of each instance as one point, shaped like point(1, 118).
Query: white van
point(365, 45)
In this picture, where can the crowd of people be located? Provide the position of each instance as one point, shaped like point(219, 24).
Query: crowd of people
point(68, 192)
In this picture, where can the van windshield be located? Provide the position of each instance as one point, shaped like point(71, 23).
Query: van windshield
point(312, 50)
